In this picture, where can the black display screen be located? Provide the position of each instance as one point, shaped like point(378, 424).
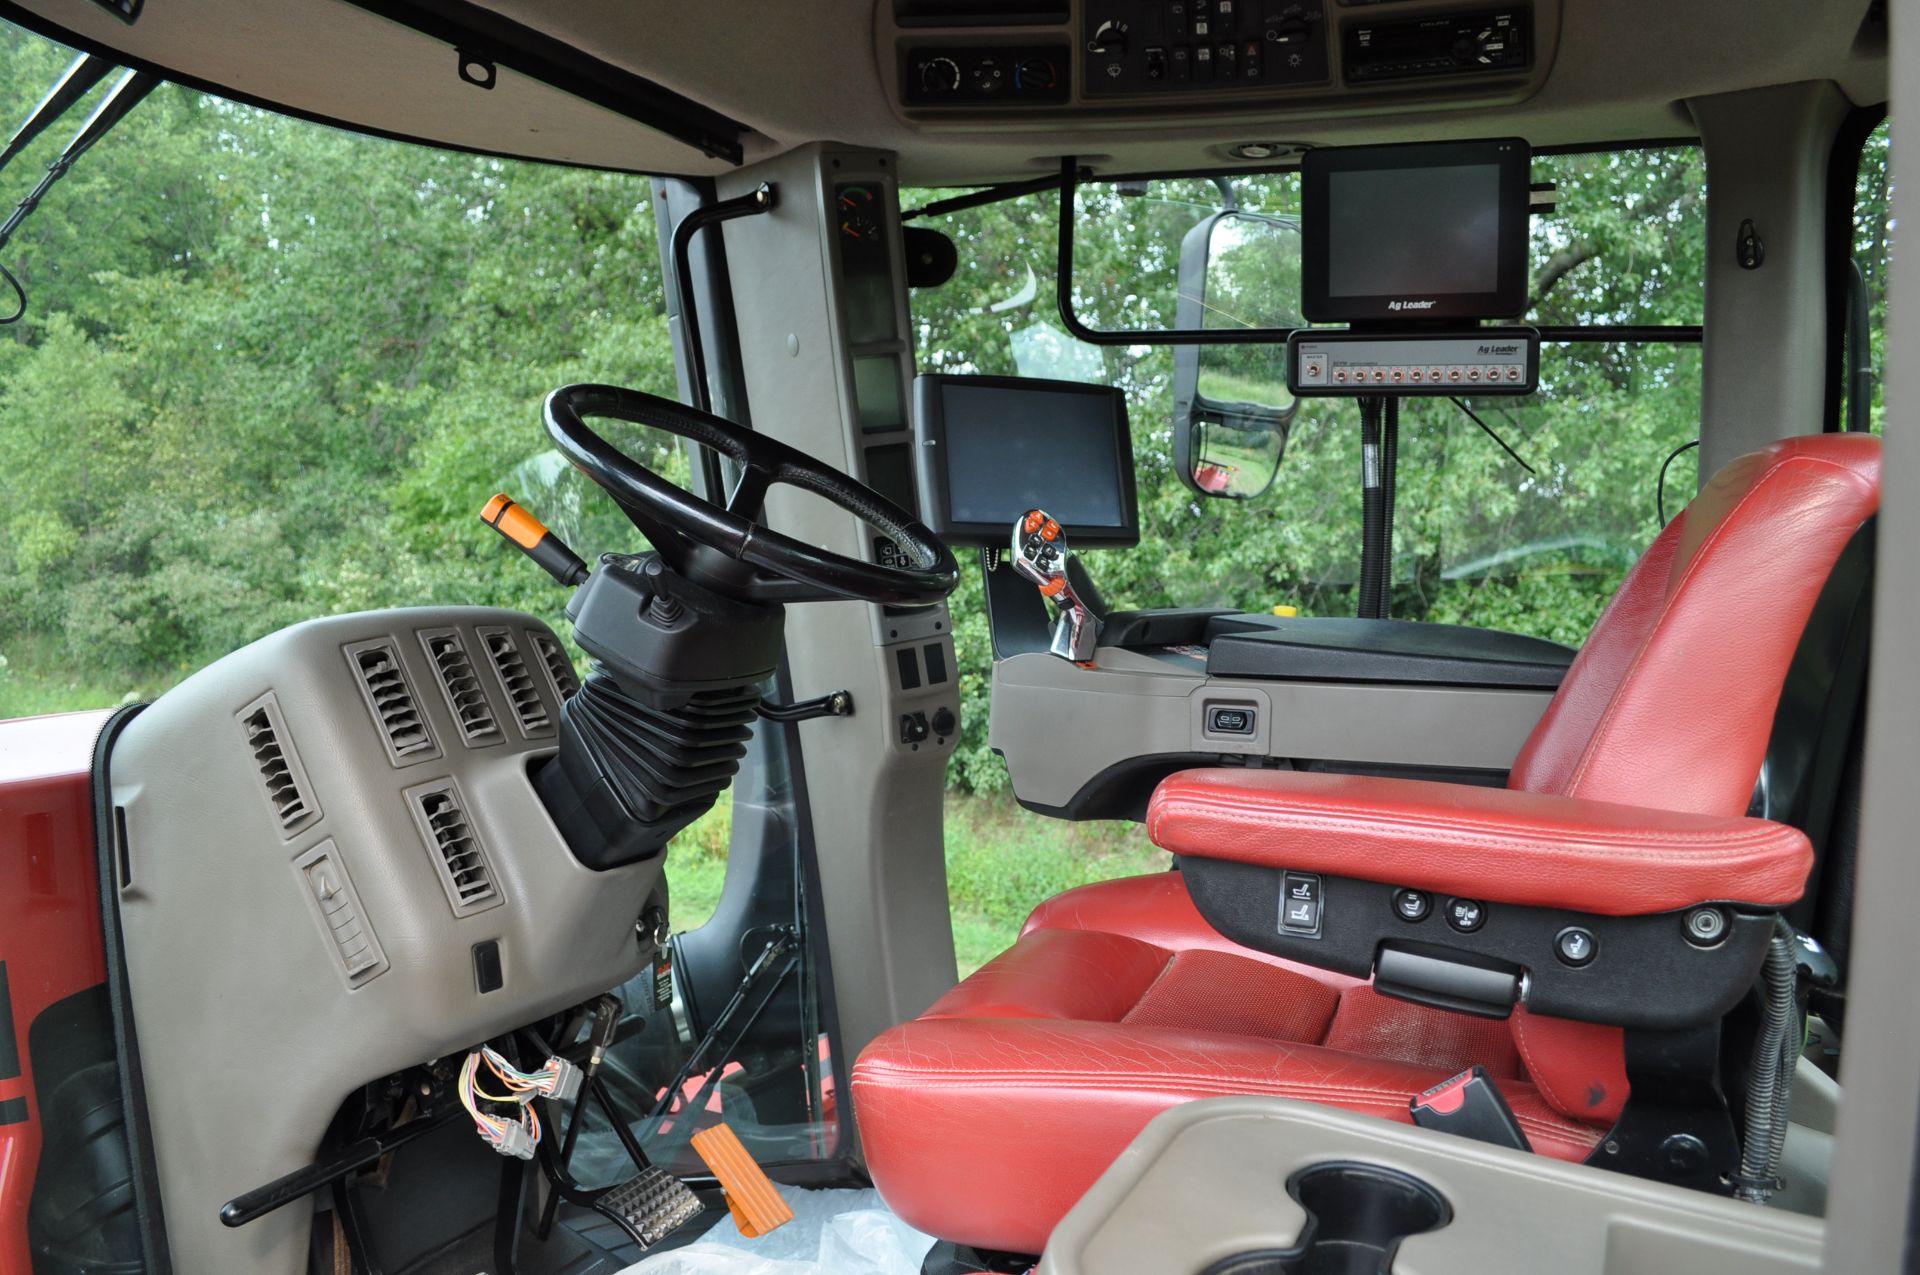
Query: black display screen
point(996, 447)
point(1415, 232)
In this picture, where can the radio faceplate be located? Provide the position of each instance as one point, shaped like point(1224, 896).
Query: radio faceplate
point(1483, 43)
point(1474, 361)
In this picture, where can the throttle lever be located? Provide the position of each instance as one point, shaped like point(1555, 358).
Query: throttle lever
point(1040, 553)
point(530, 535)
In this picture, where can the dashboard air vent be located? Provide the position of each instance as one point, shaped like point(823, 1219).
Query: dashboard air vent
point(288, 791)
point(559, 665)
point(465, 874)
point(460, 683)
point(517, 680)
point(390, 698)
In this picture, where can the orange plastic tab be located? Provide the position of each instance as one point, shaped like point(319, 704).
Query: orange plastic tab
point(1052, 587)
point(1051, 531)
point(756, 1206)
point(1034, 519)
point(513, 522)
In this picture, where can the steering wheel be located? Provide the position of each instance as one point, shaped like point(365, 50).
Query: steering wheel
point(723, 548)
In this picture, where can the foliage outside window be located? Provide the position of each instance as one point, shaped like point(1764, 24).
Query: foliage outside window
point(1874, 227)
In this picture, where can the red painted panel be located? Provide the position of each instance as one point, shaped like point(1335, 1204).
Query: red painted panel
point(49, 917)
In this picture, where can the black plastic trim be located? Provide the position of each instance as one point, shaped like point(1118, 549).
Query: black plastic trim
point(1843, 182)
point(9, 1040)
point(1336, 649)
point(133, 1090)
point(13, 1111)
point(478, 33)
point(1646, 974)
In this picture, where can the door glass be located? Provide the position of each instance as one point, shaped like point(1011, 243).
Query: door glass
point(1874, 228)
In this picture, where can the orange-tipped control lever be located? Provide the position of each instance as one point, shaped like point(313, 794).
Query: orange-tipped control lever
point(547, 550)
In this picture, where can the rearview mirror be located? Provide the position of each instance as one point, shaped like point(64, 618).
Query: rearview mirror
point(1231, 405)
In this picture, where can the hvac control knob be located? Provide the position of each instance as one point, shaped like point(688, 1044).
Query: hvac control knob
point(1110, 38)
point(940, 75)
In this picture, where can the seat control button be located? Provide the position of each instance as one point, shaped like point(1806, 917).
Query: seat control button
point(1575, 946)
point(1466, 915)
point(1225, 719)
point(1412, 905)
point(1300, 903)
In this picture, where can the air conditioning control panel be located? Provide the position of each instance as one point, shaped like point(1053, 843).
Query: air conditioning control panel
point(976, 75)
point(1153, 46)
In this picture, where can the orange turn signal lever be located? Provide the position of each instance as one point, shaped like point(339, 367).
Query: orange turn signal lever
point(547, 550)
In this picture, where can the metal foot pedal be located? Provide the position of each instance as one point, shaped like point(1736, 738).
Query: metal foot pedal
point(650, 1207)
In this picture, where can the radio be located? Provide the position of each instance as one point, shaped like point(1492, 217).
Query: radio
point(1492, 41)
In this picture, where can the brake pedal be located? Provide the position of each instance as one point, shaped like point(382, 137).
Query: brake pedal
point(650, 1206)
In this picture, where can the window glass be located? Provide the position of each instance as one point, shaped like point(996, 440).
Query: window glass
point(1623, 243)
point(270, 371)
point(1874, 228)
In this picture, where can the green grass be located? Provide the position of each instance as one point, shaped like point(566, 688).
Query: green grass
point(1001, 860)
point(36, 677)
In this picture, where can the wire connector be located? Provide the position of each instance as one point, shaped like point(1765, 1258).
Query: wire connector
point(566, 1080)
point(517, 1141)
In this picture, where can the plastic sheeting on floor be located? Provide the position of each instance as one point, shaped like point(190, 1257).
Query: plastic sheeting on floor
point(832, 1233)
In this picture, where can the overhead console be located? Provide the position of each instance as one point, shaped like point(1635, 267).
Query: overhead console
point(1207, 56)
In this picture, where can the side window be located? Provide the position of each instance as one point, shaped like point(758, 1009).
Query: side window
point(1873, 235)
point(1536, 540)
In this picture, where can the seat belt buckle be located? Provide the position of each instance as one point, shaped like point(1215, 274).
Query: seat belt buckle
point(1471, 1106)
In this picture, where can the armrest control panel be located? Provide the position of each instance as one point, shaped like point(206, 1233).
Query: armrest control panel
point(1662, 972)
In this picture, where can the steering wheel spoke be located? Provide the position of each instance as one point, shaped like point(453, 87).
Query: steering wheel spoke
point(750, 493)
point(723, 547)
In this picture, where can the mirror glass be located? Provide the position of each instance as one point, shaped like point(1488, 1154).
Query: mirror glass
point(1233, 464)
point(1232, 408)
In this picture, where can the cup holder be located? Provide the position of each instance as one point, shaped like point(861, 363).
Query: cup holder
point(1357, 1214)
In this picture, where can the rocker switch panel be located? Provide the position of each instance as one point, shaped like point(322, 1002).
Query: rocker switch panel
point(1300, 904)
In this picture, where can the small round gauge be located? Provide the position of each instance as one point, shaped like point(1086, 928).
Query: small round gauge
point(859, 218)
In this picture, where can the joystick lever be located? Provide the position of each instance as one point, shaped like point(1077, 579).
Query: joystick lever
point(1040, 553)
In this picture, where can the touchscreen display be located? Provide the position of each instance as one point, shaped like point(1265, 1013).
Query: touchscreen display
point(1010, 450)
point(1414, 231)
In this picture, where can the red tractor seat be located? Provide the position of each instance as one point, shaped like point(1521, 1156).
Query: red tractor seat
point(986, 1118)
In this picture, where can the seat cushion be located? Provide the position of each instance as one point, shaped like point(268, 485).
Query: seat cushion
point(985, 1119)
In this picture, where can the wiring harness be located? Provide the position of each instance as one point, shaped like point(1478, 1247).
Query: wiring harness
point(515, 1132)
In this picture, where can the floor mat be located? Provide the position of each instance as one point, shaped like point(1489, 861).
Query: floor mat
point(832, 1233)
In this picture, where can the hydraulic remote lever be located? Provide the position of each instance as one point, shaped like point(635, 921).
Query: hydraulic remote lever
point(1040, 553)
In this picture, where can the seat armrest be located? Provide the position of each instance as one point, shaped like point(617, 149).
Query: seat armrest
point(1493, 844)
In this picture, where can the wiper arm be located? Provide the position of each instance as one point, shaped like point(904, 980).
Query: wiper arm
point(81, 75)
point(126, 94)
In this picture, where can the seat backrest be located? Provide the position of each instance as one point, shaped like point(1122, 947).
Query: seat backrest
point(1671, 701)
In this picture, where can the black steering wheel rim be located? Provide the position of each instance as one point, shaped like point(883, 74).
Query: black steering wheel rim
point(688, 531)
